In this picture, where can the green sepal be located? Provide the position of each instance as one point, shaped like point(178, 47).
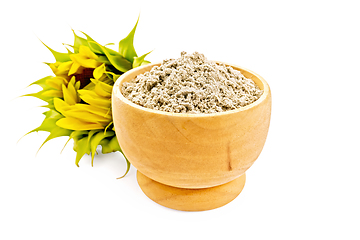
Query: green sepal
point(81, 147)
point(126, 45)
point(41, 82)
point(105, 146)
point(79, 134)
point(81, 144)
point(95, 140)
point(69, 52)
point(128, 165)
point(118, 61)
point(94, 46)
point(49, 123)
point(92, 133)
point(103, 59)
point(112, 145)
point(115, 144)
point(145, 62)
point(139, 60)
point(112, 76)
point(50, 104)
point(59, 57)
point(56, 132)
point(78, 41)
point(39, 95)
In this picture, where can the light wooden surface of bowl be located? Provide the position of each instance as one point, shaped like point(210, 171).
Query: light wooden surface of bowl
point(185, 199)
point(191, 150)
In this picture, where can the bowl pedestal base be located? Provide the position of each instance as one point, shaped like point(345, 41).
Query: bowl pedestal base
point(191, 199)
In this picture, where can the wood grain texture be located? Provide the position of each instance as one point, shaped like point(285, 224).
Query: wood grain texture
point(191, 199)
point(191, 150)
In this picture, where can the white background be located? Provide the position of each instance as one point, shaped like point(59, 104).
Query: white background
point(304, 185)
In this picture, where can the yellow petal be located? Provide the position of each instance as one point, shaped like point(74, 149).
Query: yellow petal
point(86, 116)
point(108, 81)
point(108, 88)
point(96, 101)
point(75, 124)
point(74, 68)
point(85, 51)
point(103, 90)
point(65, 66)
point(90, 86)
point(53, 93)
point(54, 66)
point(83, 112)
point(70, 95)
point(84, 61)
point(106, 113)
point(77, 87)
point(56, 82)
point(73, 91)
point(99, 71)
point(61, 105)
point(92, 98)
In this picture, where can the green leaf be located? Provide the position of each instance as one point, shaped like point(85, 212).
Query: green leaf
point(59, 57)
point(118, 61)
point(139, 60)
point(126, 46)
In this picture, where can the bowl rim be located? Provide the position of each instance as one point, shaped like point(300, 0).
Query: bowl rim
point(117, 93)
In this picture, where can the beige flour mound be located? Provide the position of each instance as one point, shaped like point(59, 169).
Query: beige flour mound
point(191, 84)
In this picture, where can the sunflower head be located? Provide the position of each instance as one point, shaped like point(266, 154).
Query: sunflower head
point(78, 96)
point(81, 65)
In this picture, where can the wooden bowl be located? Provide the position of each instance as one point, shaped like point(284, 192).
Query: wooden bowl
point(191, 151)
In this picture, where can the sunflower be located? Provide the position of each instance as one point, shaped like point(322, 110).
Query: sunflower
point(78, 97)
